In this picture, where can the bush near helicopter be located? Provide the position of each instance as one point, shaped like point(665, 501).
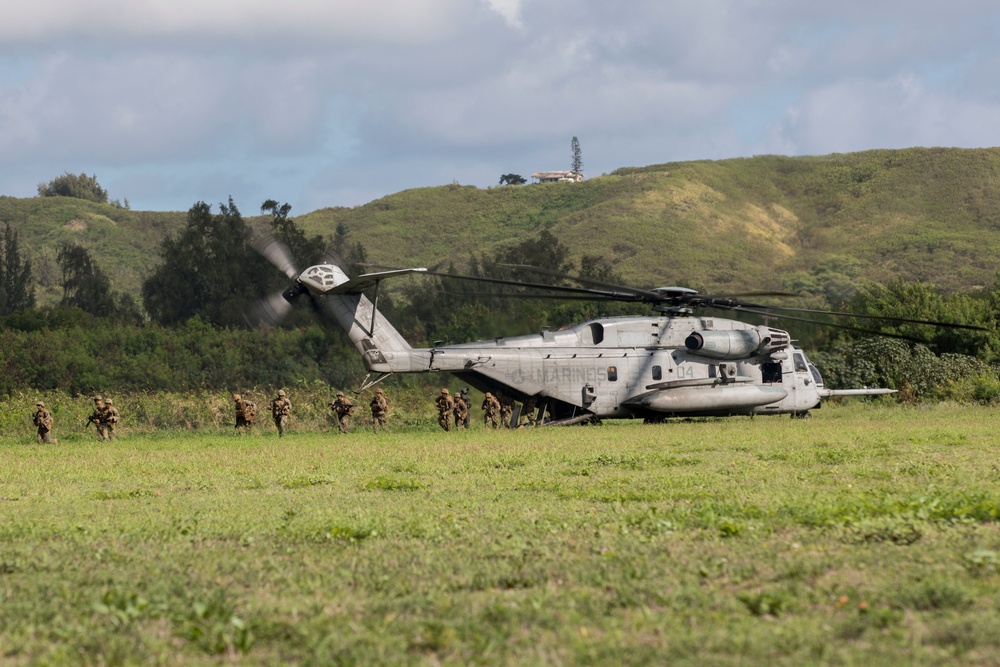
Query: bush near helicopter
point(676, 363)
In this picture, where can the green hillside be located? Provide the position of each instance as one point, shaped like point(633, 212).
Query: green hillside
point(125, 244)
point(765, 222)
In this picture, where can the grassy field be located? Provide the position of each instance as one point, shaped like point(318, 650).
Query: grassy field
point(867, 535)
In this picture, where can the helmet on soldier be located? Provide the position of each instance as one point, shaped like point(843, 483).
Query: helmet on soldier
point(379, 390)
point(489, 395)
point(98, 398)
point(109, 402)
point(236, 397)
point(444, 391)
point(340, 393)
point(40, 404)
point(281, 392)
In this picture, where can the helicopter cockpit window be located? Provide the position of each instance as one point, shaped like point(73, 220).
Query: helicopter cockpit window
point(800, 363)
point(657, 372)
point(613, 373)
point(816, 376)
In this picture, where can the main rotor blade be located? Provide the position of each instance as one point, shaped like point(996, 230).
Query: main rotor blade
point(585, 281)
point(884, 318)
point(275, 252)
point(846, 327)
point(526, 295)
point(618, 296)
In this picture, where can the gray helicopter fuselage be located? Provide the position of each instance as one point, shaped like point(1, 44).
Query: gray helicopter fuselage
point(633, 366)
point(641, 366)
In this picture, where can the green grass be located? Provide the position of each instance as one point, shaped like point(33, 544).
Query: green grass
point(864, 535)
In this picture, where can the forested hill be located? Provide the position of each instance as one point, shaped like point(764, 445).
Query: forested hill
point(931, 215)
point(765, 222)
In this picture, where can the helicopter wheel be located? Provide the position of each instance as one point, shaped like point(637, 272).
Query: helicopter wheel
point(805, 414)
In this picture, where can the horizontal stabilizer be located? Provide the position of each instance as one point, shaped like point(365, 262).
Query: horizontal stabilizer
point(363, 282)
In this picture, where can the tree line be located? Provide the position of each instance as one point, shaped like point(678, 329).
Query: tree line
point(190, 332)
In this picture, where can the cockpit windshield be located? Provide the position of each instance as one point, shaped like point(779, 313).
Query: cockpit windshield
point(800, 363)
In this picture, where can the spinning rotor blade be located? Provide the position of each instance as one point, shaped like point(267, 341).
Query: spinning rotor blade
point(883, 318)
point(596, 294)
point(271, 309)
point(684, 298)
point(583, 281)
point(680, 297)
point(526, 295)
point(732, 303)
point(275, 252)
point(274, 308)
point(846, 327)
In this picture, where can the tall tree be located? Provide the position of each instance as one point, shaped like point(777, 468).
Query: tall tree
point(208, 270)
point(305, 250)
point(84, 285)
point(17, 286)
point(574, 147)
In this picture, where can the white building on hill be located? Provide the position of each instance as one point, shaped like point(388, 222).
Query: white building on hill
point(557, 176)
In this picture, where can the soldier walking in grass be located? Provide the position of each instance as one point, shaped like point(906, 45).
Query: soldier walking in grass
point(528, 411)
point(99, 418)
point(281, 410)
point(445, 405)
point(246, 414)
point(491, 410)
point(44, 421)
point(343, 408)
point(461, 411)
point(464, 395)
point(111, 418)
point(380, 409)
point(506, 409)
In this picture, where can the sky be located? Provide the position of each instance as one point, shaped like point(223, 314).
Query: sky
point(322, 103)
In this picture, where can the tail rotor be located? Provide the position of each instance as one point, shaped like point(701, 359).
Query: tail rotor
point(274, 308)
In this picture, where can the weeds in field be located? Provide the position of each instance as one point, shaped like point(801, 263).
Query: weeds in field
point(390, 483)
point(214, 627)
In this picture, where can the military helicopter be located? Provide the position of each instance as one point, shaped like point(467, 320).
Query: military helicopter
point(674, 363)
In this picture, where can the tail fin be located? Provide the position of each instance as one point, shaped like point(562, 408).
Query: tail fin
point(378, 342)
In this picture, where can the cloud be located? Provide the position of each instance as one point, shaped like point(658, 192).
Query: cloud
point(331, 101)
point(897, 112)
point(510, 10)
point(48, 22)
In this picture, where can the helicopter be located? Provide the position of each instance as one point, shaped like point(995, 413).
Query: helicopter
point(677, 362)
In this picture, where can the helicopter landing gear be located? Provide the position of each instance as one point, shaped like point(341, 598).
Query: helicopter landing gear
point(805, 414)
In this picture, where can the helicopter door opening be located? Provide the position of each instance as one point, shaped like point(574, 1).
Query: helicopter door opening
point(770, 372)
point(592, 334)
